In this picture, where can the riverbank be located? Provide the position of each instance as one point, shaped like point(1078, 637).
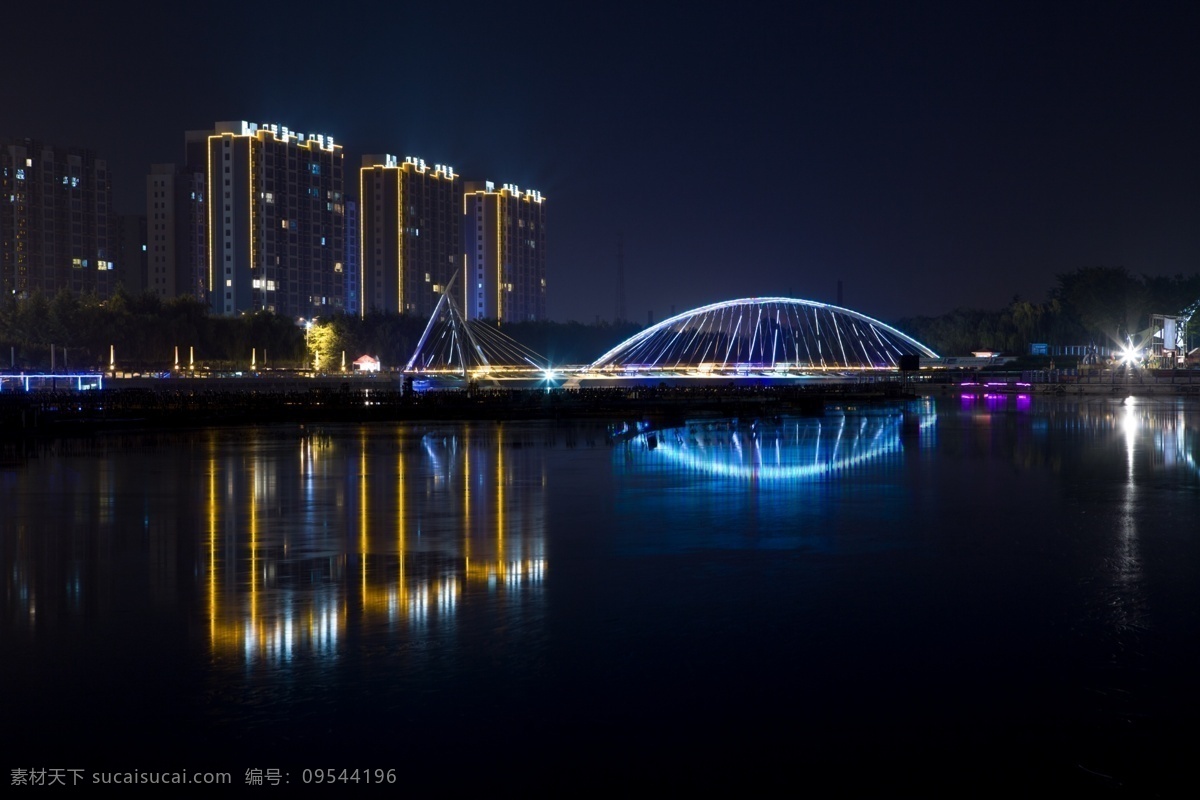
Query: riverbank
point(55, 413)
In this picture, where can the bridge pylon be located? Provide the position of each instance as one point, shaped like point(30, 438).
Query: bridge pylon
point(470, 348)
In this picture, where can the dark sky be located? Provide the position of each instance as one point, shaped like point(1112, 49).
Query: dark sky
point(929, 155)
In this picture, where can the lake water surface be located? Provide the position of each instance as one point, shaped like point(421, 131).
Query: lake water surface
point(972, 592)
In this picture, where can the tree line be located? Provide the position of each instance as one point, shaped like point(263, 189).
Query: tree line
point(1091, 305)
point(143, 332)
point(140, 332)
point(1105, 306)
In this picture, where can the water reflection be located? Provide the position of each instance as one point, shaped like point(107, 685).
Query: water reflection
point(780, 450)
point(1128, 604)
point(369, 526)
point(984, 568)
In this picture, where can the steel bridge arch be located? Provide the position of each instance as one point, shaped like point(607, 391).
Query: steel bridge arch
point(763, 333)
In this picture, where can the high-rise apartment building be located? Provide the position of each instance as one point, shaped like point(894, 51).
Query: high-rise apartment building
point(177, 225)
point(131, 253)
point(409, 217)
point(275, 219)
point(504, 239)
point(353, 275)
point(56, 220)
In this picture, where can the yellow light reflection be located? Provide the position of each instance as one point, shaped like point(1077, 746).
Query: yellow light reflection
point(400, 520)
point(500, 493)
point(362, 511)
point(212, 541)
point(253, 547)
point(466, 512)
point(261, 620)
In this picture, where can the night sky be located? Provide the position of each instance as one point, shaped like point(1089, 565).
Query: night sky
point(928, 155)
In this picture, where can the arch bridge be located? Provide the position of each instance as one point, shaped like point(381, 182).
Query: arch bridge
point(768, 336)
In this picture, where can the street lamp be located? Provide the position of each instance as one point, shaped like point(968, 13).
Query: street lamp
point(308, 323)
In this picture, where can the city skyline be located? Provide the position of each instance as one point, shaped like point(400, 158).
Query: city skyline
point(928, 157)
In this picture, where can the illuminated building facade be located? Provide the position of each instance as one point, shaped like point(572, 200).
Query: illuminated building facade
point(275, 219)
point(504, 239)
point(57, 227)
point(410, 242)
point(177, 225)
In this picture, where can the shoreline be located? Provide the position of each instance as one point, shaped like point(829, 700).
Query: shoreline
point(56, 413)
point(65, 413)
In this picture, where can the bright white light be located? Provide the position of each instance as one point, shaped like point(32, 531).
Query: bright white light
point(1130, 356)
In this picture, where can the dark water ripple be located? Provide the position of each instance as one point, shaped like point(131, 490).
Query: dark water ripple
point(959, 593)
